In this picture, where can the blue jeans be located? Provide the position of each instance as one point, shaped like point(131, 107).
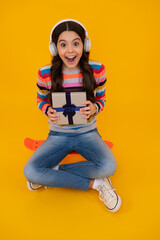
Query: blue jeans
point(100, 160)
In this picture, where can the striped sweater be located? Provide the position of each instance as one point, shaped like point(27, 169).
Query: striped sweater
point(72, 81)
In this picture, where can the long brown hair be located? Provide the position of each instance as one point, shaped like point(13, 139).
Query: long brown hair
point(89, 83)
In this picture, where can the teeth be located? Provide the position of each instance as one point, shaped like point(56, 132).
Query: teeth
point(70, 57)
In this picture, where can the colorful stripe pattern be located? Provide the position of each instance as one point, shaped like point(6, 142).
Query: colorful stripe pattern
point(73, 82)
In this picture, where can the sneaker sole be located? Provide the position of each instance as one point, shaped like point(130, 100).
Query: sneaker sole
point(118, 205)
point(30, 187)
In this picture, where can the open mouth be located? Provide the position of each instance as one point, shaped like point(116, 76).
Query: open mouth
point(71, 59)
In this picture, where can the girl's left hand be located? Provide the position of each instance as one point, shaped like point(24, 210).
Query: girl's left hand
point(89, 110)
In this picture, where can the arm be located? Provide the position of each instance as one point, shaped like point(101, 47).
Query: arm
point(43, 89)
point(42, 99)
point(94, 108)
point(100, 90)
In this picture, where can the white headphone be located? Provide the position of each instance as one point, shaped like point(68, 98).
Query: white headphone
point(52, 46)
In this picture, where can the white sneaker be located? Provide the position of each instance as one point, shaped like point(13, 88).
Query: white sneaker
point(33, 186)
point(108, 195)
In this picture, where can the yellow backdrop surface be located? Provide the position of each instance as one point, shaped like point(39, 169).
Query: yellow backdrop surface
point(125, 37)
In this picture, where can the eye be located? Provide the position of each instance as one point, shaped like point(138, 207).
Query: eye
point(76, 44)
point(63, 45)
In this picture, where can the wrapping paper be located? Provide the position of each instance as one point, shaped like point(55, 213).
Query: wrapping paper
point(68, 105)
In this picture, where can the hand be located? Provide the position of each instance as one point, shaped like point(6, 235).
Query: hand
point(89, 110)
point(53, 117)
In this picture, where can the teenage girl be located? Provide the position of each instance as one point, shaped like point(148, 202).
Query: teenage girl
point(71, 71)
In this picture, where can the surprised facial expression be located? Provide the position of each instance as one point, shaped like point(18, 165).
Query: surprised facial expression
point(70, 49)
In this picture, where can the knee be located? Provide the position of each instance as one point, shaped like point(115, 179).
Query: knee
point(30, 172)
point(111, 168)
point(108, 169)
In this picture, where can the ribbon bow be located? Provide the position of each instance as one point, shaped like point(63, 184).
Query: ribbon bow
point(69, 110)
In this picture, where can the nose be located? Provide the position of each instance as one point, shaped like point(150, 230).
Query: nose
point(70, 48)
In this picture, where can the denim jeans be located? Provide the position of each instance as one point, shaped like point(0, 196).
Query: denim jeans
point(100, 160)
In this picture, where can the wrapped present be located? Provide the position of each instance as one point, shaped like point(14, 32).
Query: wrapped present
point(68, 105)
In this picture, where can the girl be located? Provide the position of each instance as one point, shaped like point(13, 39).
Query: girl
point(71, 71)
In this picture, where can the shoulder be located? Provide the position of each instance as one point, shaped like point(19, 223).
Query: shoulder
point(97, 67)
point(45, 71)
point(99, 70)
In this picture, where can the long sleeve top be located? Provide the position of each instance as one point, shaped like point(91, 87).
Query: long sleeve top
point(72, 81)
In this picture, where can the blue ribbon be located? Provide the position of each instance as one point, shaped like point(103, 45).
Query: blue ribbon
point(68, 109)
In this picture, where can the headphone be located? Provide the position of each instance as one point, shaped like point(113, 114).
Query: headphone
point(52, 45)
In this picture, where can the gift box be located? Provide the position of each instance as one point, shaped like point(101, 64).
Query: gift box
point(68, 105)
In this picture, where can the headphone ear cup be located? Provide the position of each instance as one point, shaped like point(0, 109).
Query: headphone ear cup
point(53, 49)
point(87, 45)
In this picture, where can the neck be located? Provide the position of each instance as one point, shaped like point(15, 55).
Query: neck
point(64, 68)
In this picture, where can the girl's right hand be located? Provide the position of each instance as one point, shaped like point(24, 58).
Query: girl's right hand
point(53, 117)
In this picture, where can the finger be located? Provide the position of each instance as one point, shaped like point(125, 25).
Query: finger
point(87, 102)
point(86, 113)
point(54, 118)
point(53, 121)
point(85, 109)
point(52, 111)
point(54, 115)
point(86, 116)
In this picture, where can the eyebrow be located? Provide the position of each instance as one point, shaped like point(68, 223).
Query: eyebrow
point(72, 40)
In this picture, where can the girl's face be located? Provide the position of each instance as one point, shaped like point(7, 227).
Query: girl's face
point(70, 49)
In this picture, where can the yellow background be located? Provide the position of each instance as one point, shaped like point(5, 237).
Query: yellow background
point(125, 37)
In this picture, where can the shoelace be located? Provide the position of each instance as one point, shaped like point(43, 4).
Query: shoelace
point(107, 192)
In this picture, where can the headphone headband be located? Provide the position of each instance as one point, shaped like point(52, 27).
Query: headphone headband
point(66, 20)
point(52, 46)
